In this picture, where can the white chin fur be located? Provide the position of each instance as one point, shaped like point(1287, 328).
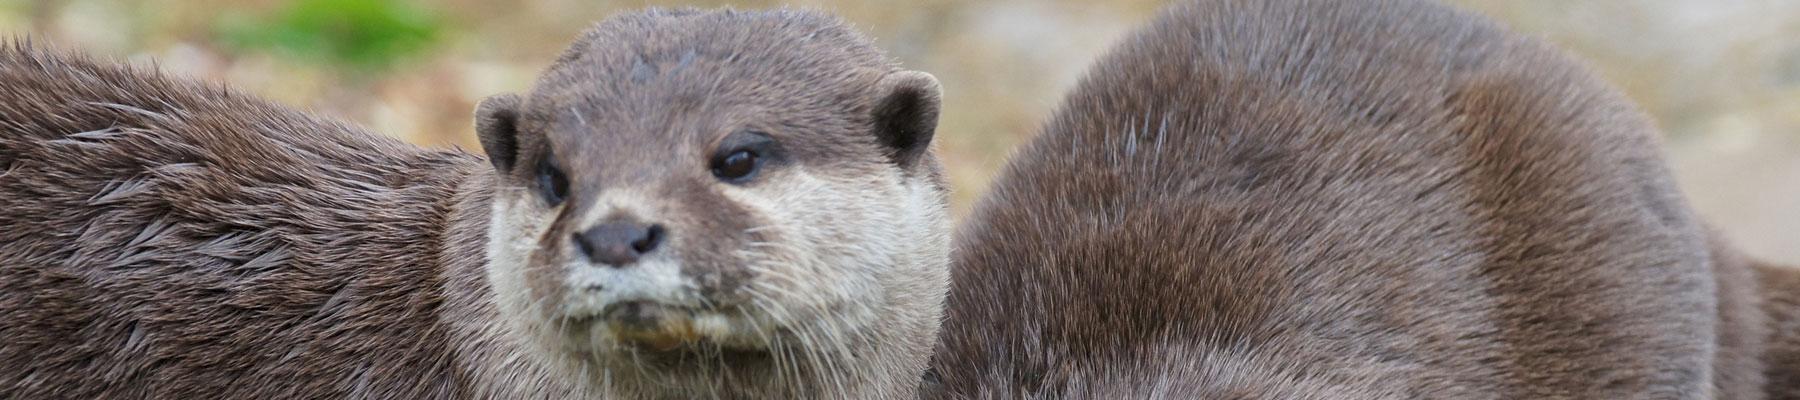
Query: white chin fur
point(656, 279)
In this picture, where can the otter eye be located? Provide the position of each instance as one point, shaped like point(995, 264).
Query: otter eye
point(551, 182)
point(741, 155)
point(735, 166)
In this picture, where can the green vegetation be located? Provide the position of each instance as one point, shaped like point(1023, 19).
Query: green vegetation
point(360, 34)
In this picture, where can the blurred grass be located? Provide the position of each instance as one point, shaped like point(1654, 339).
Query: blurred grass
point(1722, 78)
point(359, 34)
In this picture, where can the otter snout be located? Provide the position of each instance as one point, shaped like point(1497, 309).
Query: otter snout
point(619, 244)
point(645, 275)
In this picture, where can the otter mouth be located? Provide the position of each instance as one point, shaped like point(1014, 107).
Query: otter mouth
point(653, 326)
point(648, 328)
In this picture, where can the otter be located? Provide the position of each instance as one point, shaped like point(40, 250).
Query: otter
point(1300, 199)
point(688, 204)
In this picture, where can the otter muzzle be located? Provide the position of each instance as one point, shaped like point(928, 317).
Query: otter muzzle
point(653, 326)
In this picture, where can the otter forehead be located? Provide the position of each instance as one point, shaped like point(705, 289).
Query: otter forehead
point(664, 86)
point(662, 59)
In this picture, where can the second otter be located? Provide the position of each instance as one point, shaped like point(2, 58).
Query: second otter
point(1295, 199)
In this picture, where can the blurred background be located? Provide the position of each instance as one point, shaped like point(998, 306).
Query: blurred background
point(1722, 77)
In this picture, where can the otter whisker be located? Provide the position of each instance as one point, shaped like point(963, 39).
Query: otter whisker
point(789, 365)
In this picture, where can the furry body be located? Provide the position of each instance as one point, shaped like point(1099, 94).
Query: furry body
point(1345, 199)
point(165, 238)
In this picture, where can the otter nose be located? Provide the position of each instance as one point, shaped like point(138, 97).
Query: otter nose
point(619, 244)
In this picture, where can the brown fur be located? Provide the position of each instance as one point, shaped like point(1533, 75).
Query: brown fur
point(168, 239)
point(829, 267)
point(1780, 300)
point(1347, 199)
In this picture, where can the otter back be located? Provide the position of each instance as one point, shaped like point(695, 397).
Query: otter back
point(165, 238)
point(1333, 199)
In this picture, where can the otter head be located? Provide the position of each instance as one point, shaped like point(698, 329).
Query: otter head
point(737, 203)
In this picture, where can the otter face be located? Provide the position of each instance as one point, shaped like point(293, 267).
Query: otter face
point(677, 217)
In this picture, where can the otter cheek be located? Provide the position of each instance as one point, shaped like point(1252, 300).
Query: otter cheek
point(888, 260)
point(774, 247)
point(838, 222)
point(513, 232)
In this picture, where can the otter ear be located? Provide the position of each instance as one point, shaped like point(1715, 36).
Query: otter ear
point(497, 126)
point(906, 115)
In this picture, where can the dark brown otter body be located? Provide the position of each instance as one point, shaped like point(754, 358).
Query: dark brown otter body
point(167, 239)
point(1345, 199)
point(1780, 300)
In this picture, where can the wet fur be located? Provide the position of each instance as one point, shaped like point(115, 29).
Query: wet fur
point(1350, 199)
